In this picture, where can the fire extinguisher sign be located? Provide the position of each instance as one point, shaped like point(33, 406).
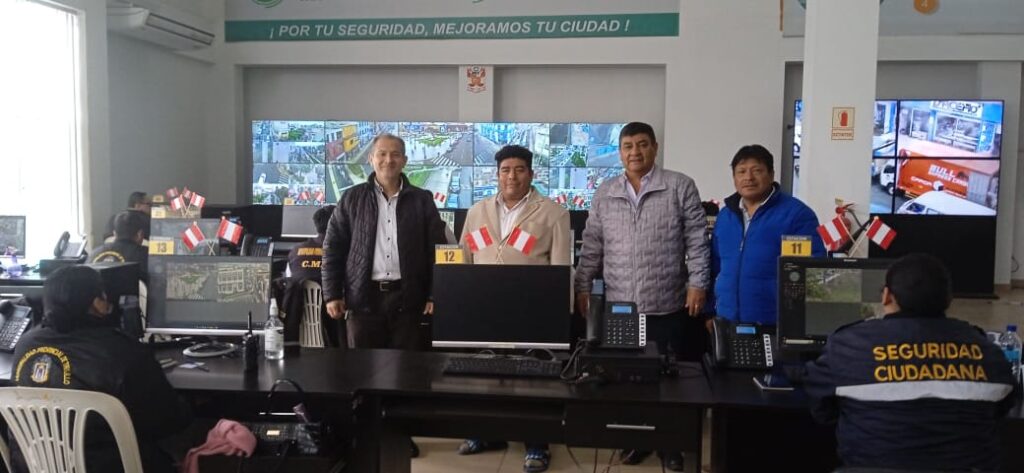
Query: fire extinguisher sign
point(842, 123)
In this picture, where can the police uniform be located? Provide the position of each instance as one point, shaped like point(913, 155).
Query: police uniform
point(98, 357)
point(304, 259)
point(912, 392)
point(122, 251)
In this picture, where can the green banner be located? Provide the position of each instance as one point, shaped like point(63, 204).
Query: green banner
point(513, 27)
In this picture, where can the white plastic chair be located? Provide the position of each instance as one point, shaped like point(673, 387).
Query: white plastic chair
point(311, 330)
point(49, 427)
point(5, 453)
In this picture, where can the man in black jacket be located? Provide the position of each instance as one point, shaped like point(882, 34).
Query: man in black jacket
point(137, 202)
point(77, 348)
point(913, 390)
point(130, 229)
point(379, 253)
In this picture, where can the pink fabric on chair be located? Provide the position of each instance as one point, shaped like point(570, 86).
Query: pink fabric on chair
point(226, 438)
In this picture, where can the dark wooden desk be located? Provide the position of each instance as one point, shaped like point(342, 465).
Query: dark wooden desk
point(417, 399)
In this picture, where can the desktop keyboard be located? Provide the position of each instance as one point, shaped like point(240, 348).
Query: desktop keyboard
point(10, 333)
point(502, 366)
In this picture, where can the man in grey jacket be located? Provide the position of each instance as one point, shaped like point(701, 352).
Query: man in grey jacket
point(645, 234)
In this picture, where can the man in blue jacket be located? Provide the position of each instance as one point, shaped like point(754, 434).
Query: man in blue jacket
point(747, 239)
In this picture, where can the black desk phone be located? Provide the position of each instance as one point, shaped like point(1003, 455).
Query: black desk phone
point(253, 245)
point(741, 345)
point(14, 321)
point(616, 325)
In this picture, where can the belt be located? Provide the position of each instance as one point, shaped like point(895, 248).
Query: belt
point(387, 286)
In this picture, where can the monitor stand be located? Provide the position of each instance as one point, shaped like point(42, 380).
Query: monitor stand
point(209, 349)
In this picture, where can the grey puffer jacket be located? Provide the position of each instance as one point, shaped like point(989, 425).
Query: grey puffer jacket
point(651, 252)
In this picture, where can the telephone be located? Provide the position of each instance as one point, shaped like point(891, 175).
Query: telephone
point(616, 325)
point(67, 249)
point(253, 245)
point(741, 345)
point(15, 321)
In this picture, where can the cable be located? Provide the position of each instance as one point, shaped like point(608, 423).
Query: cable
point(1014, 264)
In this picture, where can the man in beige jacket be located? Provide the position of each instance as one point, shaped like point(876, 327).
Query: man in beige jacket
point(516, 226)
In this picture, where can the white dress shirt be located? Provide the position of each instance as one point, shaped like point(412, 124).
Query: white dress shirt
point(385, 252)
point(506, 216)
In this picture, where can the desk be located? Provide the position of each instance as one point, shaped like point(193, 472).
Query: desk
point(416, 398)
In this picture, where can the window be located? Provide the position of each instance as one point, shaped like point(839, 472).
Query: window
point(40, 110)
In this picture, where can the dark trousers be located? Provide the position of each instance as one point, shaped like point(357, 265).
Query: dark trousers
point(684, 335)
point(386, 325)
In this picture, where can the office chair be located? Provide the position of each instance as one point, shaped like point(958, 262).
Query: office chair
point(49, 427)
point(311, 330)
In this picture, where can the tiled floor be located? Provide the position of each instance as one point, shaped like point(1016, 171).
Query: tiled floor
point(438, 455)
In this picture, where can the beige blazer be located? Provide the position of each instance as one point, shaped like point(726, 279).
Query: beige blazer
point(541, 217)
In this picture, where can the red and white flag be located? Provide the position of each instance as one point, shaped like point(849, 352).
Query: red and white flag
point(522, 241)
point(834, 233)
point(440, 197)
point(304, 195)
point(186, 192)
point(177, 203)
point(318, 196)
point(881, 234)
point(171, 193)
point(229, 231)
point(579, 201)
point(197, 201)
point(479, 239)
point(561, 199)
point(192, 236)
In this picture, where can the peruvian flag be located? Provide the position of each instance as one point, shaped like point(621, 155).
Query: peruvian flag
point(522, 241)
point(186, 192)
point(578, 201)
point(319, 196)
point(192, 236)
point(171, 193)
point(304, 195)
point(834, 233)
point(177, 203)
point(197, 201)
point(479, 239)
point(440, 197)
point(229, 231)
point(561, 199)
point(881, 234)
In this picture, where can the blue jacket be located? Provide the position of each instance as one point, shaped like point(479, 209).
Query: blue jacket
point(746, 286)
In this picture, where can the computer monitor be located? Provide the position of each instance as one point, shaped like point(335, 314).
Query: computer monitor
point(297, 221)
point(819, 295)
point(207, 296)
point(501, 306)
point(12, 234)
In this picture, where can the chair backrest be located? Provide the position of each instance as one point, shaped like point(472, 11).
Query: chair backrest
point(49, 427)
point(311, 331)
point(5, 453)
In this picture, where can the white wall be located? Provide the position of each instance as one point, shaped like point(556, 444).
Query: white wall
point(157, 126)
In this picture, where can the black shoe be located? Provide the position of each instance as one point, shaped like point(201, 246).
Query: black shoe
point(414, 450)
point(634, 457)
point(673, 461)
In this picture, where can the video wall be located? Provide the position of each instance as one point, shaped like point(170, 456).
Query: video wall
point(314, 162)
point(930, 157)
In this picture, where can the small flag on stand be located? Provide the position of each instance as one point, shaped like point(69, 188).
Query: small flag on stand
point(171, 193)
point(834, 233)
point(177, 204)
point(579, 201)
point(522, 241)
point(479, 239)
point(229, 231)
point(440, 197)
point(881, 234)
point(197, 201)
point(192, 236)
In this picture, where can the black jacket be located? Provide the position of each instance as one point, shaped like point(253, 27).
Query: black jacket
point(912, 392)
point(351, 239)
point(100, 358)
point(122, 251)
point(305, 258)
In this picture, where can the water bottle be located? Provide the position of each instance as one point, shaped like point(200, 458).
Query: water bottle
point(1010, 342)
point(273, 334)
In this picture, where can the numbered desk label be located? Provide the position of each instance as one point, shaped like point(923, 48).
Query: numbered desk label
point(449, 254)
point(161, 247)
point(796, 245)
point(158, 212)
